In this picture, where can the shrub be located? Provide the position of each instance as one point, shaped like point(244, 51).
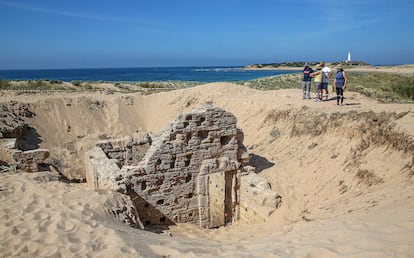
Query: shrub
point(4, 85)
point(38, 85)
point(12, 168)
point(76, 83)
point(367, 177)
point(87, 86)
point(404, 87)
point(55, 81)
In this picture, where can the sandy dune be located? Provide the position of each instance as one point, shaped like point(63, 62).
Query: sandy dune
point(345, 174)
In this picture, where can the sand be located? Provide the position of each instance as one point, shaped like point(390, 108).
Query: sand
point(327, 210)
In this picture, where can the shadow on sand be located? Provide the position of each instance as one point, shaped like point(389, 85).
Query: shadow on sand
point(261, 163)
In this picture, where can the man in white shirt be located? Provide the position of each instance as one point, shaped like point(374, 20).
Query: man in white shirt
point(326, 73)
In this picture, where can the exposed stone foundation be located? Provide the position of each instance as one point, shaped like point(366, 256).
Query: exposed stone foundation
point(127, 151)
point(190, 173)
point(32, 160)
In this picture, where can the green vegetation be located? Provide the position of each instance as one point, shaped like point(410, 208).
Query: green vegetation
point(12, 168)
point(404, 87)
point(52, 81)
point(167, 84)
point(302, 64)
point(48, 85)
point(284, 81)
point(285, 64)
point(31, 85)
point(384, 86)
point(76, 83)
point(4, 85)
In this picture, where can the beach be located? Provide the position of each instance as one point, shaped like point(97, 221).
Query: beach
point(345, 174)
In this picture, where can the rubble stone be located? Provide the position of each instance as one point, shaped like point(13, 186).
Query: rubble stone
point(32, 160)
point(258, 200)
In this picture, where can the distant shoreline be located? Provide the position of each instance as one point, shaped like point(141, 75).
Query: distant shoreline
point(280, 68)
point(201, 74)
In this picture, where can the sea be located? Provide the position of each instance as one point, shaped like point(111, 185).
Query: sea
point(150, 74)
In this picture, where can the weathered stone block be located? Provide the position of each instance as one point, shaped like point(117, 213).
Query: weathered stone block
point(100, 171)
point(31, 160)
point(258, 201)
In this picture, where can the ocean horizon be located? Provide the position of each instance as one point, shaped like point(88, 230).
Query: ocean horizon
point(151, 74)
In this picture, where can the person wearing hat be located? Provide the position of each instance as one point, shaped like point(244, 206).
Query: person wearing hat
point(340, 84)
point(306, 81)
point(317, 82)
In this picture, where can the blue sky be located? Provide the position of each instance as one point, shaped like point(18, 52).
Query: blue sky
point(146, 33)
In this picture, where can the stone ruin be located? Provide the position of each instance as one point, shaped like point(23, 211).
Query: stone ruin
point(13, 145)
point(195, 171)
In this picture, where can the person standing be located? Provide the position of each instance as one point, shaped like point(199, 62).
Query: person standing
point(306, 83)
point(326, 73)
point(340, 84)
point(317, 81)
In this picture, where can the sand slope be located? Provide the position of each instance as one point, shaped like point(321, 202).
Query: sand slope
point(347, 182)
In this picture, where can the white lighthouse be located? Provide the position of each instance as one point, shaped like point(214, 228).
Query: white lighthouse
point(349, 57)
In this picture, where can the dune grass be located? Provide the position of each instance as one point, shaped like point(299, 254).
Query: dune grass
point(37, 85)
point(383, 86)
point(4, 85)
point(386, 87)
point(283, 81)
point(76, 85)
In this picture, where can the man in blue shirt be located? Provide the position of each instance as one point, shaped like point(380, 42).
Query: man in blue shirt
point(306, 83)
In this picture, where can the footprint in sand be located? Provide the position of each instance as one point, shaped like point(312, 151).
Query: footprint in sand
point(77, 206)
point(21, 187)
point(99, 244)
point(33, 205)
point(24, 250)
point(6, 220)
point(74, 248)
point(67, 225)
point(126, 250)
point(50, 252)
point(43, 225)
point(15, 231)
point(41, 215)
point(87, 213)
point(92, 223)
point(73, 239)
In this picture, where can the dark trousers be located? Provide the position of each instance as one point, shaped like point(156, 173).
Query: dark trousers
point(340, 95)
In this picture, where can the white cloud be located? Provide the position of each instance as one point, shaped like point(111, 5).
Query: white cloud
point(89, 16)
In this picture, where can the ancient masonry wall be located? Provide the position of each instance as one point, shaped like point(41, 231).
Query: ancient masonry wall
point(190, 173)
point(172, 184)
point(128, 150)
